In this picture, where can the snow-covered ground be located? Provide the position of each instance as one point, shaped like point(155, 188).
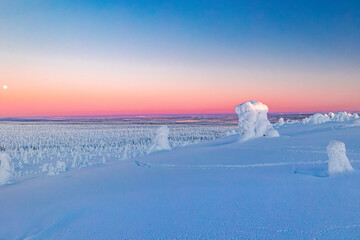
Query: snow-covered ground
point(264, 188)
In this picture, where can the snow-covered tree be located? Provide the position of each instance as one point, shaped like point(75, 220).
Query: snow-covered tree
point(253, 121)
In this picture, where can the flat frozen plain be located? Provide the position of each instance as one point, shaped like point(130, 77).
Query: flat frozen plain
point(265, 188)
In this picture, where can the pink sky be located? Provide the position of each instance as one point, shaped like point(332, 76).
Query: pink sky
point(48, 87)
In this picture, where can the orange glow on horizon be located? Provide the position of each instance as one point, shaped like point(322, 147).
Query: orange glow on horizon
point(27, 102)
point(65, 88)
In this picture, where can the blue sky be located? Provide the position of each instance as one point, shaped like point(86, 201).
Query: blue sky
point(318, 38)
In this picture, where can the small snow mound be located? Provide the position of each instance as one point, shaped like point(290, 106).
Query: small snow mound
point(6, 169)
point(338, 161)
point(161, 140)
point(253, 121)
point(57, 169)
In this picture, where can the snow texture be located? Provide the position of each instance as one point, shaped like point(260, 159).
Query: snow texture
point(6, 169)
point(253, 121)
point(161, 140)
point(338, 161)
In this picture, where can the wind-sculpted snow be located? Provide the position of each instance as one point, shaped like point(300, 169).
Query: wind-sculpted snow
point(55, 147)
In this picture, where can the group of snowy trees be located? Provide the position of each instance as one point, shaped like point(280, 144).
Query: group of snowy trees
point(52, 148)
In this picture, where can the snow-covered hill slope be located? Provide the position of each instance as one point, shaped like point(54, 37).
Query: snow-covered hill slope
point(265, 188)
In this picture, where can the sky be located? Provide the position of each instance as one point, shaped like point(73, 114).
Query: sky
point(73, 57)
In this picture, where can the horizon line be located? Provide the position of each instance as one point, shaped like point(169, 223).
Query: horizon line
point(148, 114)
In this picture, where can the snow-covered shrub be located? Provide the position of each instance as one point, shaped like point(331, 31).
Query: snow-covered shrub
point(6, 169)
point(338, 161)
point(161, 140)
point(253, 121)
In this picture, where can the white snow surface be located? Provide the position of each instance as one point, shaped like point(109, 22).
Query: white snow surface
point(338, 161)
point(161, 140)
point(267, 188)
point(253, 121)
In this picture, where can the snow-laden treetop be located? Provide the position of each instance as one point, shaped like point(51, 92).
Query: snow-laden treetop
point(251, 106)
point(253, 121)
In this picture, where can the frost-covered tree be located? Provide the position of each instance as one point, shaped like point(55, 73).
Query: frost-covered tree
point(253, 121)
point(338, 161)
point(161, 140)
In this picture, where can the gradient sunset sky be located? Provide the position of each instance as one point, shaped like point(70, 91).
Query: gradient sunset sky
point(70, 57)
